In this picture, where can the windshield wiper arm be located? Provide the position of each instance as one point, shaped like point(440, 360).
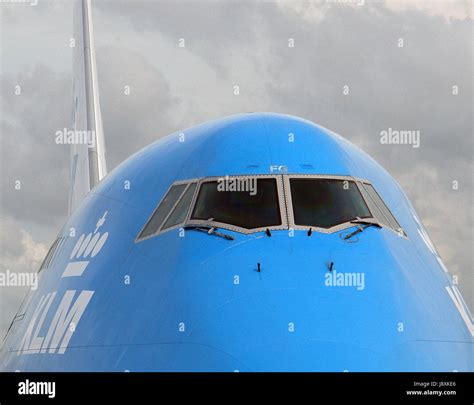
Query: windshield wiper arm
point(358, 220)
point(210, 230)
point(362, 225)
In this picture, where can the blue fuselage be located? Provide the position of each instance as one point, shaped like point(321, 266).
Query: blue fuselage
point(190, 301)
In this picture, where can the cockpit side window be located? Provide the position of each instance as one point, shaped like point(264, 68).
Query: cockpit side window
point(178, 215)
point(160, 214)
point(324, 203)
point(253, 209)
point(52, 253)
point(381, 211)
point(377, 213)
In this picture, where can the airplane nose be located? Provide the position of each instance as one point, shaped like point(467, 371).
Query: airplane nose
point(267, 331)
point(285, 310)
point(275, 303)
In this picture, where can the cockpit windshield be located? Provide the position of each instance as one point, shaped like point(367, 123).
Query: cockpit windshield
point(249, 209)
point(324, 203)
point(248, 204)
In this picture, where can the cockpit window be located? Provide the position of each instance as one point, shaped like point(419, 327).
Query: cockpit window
point(324, 203)
point(248, 204)
point(381, 211)
point(246, 209)
point(163, 210)
point(52, 253)
point(181, 210)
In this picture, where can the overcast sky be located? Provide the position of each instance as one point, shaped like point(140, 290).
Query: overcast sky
point(244, 43)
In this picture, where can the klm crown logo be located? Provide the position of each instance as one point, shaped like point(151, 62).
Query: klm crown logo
point(86, 248)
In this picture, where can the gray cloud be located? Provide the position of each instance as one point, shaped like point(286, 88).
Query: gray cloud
point(29, 152)
point(20, 254)
point(149, 98)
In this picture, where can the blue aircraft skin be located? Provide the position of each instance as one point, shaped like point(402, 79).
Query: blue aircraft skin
point(170, 303)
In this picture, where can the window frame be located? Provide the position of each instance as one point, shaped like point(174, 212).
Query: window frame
point(52, 253)
point(285, 205)
point(160, 229)
point(189, 209)
point(222, 225)
point(400, 231)
point(335, 228)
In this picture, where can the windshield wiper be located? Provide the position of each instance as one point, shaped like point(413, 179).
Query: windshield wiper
point(210, 230)
point(362, 225)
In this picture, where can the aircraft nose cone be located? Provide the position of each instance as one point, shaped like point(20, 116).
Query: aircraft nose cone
point(292, 330)
point(285, 310)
